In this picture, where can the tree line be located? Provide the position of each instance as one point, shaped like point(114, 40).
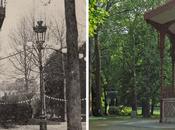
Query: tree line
point(124, 55)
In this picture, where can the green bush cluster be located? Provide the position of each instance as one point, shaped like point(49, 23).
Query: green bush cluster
point(119, 110)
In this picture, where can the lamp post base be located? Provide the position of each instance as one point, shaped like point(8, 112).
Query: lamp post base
point(43, 122)
point(43, 125)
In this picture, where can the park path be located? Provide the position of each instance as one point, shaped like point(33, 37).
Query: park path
point(130, 125)
point(62, 126)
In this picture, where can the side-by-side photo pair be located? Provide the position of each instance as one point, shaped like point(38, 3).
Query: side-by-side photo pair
point(87, 64)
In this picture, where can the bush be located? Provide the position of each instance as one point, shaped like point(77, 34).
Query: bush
point(113, 110)
point(119, 110)
point(125, 111)
point(15, 113)
point(24, 113)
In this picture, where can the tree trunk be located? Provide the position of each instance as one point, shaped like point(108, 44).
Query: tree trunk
point(146, 108)
point(73, 76)
point(152, 109)
point(152, 106)
point(105, 101)
point(134, 103)
point(93, 94)
point(97, 108)
point(25, 67)
point(90, 76)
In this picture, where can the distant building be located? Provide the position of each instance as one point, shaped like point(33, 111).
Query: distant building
point(20, 85)
point(17, 87)
point(7, 88)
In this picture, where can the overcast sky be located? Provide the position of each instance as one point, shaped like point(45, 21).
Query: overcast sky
point(16, 9)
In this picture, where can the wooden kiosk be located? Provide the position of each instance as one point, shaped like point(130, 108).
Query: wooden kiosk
point(163, 20)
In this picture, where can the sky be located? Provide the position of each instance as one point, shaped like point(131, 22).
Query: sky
point(17, 9)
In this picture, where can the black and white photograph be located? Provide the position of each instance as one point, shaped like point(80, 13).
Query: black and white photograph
point(43, 65)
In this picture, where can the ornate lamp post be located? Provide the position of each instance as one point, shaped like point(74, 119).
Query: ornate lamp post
point(40, 31)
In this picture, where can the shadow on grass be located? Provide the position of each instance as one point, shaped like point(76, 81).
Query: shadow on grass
point(120, 118)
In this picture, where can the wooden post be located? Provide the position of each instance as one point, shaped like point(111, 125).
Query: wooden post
point(161, 47)
point(173, 63)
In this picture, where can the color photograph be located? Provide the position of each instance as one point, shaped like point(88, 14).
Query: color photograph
point(131, 63)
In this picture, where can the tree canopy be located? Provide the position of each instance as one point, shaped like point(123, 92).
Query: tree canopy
point(129, 53)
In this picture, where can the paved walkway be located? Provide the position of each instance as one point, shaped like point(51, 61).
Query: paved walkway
point(141, 124)
point(62, 126)
point(148, 124)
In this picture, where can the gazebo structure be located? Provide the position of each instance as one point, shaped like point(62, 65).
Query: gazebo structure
point(163, 20)
point(2, 12)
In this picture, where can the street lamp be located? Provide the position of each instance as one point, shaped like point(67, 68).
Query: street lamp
point(40, 32)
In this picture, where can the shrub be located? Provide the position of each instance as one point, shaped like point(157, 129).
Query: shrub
point(113, 110)
point(125, 111)
point(23, 113)
point(16, 113)
point(119, 110)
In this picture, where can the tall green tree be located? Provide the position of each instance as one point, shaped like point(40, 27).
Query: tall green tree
point(129, 54)
point(98, 12)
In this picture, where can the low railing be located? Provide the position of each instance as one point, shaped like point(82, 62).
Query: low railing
point(168, 110)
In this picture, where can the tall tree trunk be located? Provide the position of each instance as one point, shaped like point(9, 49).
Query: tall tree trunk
point(63, 59)
point(73, 76)
point(134, 103)
point(25, 67)
point(105, 101)
point(97, 108)
point(146, 108)
point(90, 76)
point(152, 106)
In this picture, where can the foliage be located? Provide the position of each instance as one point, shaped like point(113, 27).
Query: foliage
point(130, 54)
point(97, 15)
point(16, 113)
point(113, 110)
point(54, 84)
point(125, 111)
point(120, 110)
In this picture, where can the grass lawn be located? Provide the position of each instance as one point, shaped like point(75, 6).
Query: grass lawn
point(156, 113)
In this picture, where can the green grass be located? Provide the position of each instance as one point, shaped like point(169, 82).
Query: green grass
point(117, 118)
point(156, 115)
point(156, 111)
